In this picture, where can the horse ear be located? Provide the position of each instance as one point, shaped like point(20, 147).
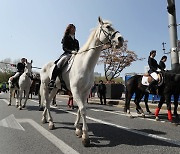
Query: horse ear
point(100, 20)
point(31, 61)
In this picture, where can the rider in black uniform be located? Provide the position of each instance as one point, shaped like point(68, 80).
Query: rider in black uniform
point(153, 65)
point(20, 70)
point(162, 63)
point(70, 44)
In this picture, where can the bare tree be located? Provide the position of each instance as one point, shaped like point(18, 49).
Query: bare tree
point(116, 60)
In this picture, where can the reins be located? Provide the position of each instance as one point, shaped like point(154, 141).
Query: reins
point(107, 35)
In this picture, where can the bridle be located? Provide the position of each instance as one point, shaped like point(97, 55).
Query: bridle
point(27, 73)
point(108, 36)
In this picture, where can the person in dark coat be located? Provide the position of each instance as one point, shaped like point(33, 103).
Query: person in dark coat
point(20, 70)
point(102, 92)
point(153, 66)
point(162, 63)
point(70, 46)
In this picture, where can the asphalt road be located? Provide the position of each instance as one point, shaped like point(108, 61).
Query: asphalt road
point(110, 131)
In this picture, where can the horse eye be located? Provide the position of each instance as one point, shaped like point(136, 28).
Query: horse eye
point(108, 27)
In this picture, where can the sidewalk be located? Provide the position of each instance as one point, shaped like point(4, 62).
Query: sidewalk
point(121, 102)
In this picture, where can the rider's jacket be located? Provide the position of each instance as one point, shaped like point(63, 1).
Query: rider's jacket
point(69, 44)
point(20, 67)
point(153, 65)
point(162, 65)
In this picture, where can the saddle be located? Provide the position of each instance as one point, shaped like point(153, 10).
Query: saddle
point(147, 79)
point(66, 65)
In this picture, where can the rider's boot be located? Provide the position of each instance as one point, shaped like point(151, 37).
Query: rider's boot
point(53, 78)
point(151, 86)
point(13, 81)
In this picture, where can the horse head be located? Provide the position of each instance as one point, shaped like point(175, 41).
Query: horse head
point(108, 35)
point(28, 68)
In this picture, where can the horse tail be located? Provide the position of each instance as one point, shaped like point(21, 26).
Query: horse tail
point(41, 97)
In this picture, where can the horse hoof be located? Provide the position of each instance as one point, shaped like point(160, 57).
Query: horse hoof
point(157, 119)
point(23, 106)
point(9, 104)
point(86, 142)
point(17, 106)
point(78, 133)
point(44, 120)
point(143, 116)
point(51, 127)
point(41, 109)
point(150, 113)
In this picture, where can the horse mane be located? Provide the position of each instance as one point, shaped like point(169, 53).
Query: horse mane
point(92, 35)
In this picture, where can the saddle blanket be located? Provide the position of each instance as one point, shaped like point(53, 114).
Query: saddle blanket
point(144, 81)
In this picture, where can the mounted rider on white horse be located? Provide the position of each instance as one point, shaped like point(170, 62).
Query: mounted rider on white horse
point(70, 44)
point(20, 70)
point(79, 77)
point(23, 84)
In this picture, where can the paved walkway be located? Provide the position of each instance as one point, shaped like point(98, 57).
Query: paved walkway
point(120, 102)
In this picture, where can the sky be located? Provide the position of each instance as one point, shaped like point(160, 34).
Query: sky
point(34, 28)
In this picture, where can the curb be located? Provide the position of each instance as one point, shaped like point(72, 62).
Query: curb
point(121, 103)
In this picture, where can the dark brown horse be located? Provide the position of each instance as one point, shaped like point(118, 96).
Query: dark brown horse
point(169, 87)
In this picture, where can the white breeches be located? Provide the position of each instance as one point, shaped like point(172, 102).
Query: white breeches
point(16, 75)
point(154, 75)
point(60, 61)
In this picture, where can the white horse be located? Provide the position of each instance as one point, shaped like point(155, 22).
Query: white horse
point(24, 85)
point(80, 77)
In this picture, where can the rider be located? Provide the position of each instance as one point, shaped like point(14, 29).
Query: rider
point(70, 45)
point(153, 65)
point(162, 63)
point(20, 70)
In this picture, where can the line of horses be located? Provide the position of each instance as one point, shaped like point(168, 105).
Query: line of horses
point(169, 87)
point(79, 76)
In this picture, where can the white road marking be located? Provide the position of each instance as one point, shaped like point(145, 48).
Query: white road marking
point(6, 101)
point(168, 140)
point(124, 114)
point(11, 122)
point(66, 149)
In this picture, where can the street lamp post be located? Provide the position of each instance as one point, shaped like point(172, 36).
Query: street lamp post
point(173, 34)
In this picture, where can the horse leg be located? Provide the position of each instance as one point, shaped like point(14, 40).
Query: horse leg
point(139, 96)
point(168, 102)
point(20, 99)
point(41, 97)
point(77, 126)
point(176, 97)
point(17, 98)
point(127, 103)
point(26, 97)
point(10, 96)
point(48, 99)
point(162, 99)
point(82, 109)
point(43, 92)
point(146, 103)
point(44, 120)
